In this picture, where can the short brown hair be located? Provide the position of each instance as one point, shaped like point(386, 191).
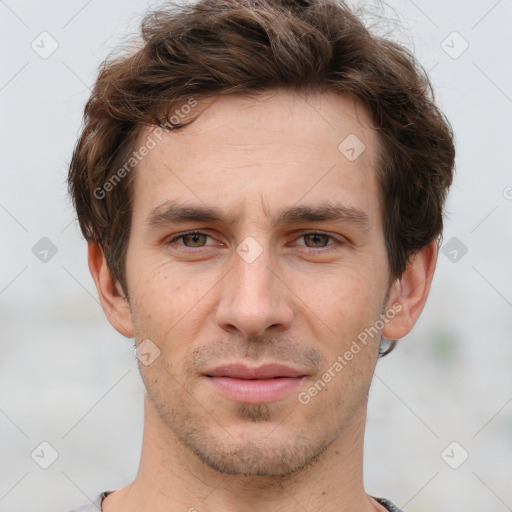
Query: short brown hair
point(213, 47)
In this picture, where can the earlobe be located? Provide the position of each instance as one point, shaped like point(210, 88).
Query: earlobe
point(411, 292)
point(110, 292)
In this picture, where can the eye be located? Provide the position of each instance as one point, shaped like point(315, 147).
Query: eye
point(191, 239)
point(316, 241)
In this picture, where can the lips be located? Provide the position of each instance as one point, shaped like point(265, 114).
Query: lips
point(252, 385)
point(268, 371)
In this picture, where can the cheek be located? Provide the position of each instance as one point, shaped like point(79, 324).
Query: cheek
point(167, 305)
point(153, 282)
point(162, 310)
point(346, 301)
point(349, 308)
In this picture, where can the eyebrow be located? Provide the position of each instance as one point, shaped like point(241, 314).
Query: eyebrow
point(173, 212)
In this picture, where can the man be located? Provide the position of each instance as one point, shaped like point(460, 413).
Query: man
point(261, 186)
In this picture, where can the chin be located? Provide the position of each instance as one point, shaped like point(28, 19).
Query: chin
point(255, 458)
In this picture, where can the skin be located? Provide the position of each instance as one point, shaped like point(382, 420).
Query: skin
point(202, 304)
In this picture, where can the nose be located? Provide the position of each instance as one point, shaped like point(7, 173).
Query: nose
point(254, 298)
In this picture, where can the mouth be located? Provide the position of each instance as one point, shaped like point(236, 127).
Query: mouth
point(253, 385)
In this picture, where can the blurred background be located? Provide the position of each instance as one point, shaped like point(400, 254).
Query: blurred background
point(439, 432)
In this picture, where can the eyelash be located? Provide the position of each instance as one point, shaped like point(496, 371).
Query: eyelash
point(327, 248)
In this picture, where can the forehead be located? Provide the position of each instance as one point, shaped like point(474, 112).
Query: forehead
point(276, 149)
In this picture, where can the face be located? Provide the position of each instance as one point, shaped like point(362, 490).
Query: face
point(287, 267)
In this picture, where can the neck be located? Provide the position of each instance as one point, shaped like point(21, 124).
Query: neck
point(171, 477)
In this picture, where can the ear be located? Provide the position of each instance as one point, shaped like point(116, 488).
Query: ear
point(411, 292)
point(110, 292)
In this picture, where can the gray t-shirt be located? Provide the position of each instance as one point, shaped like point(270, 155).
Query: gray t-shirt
point(96, 505)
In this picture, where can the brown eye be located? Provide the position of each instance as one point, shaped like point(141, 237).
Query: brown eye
point(194, 239)
point(316, 239)
point(316, 243)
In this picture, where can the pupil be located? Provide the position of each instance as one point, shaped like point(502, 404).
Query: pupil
point(194, 237)
point(315, 237)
